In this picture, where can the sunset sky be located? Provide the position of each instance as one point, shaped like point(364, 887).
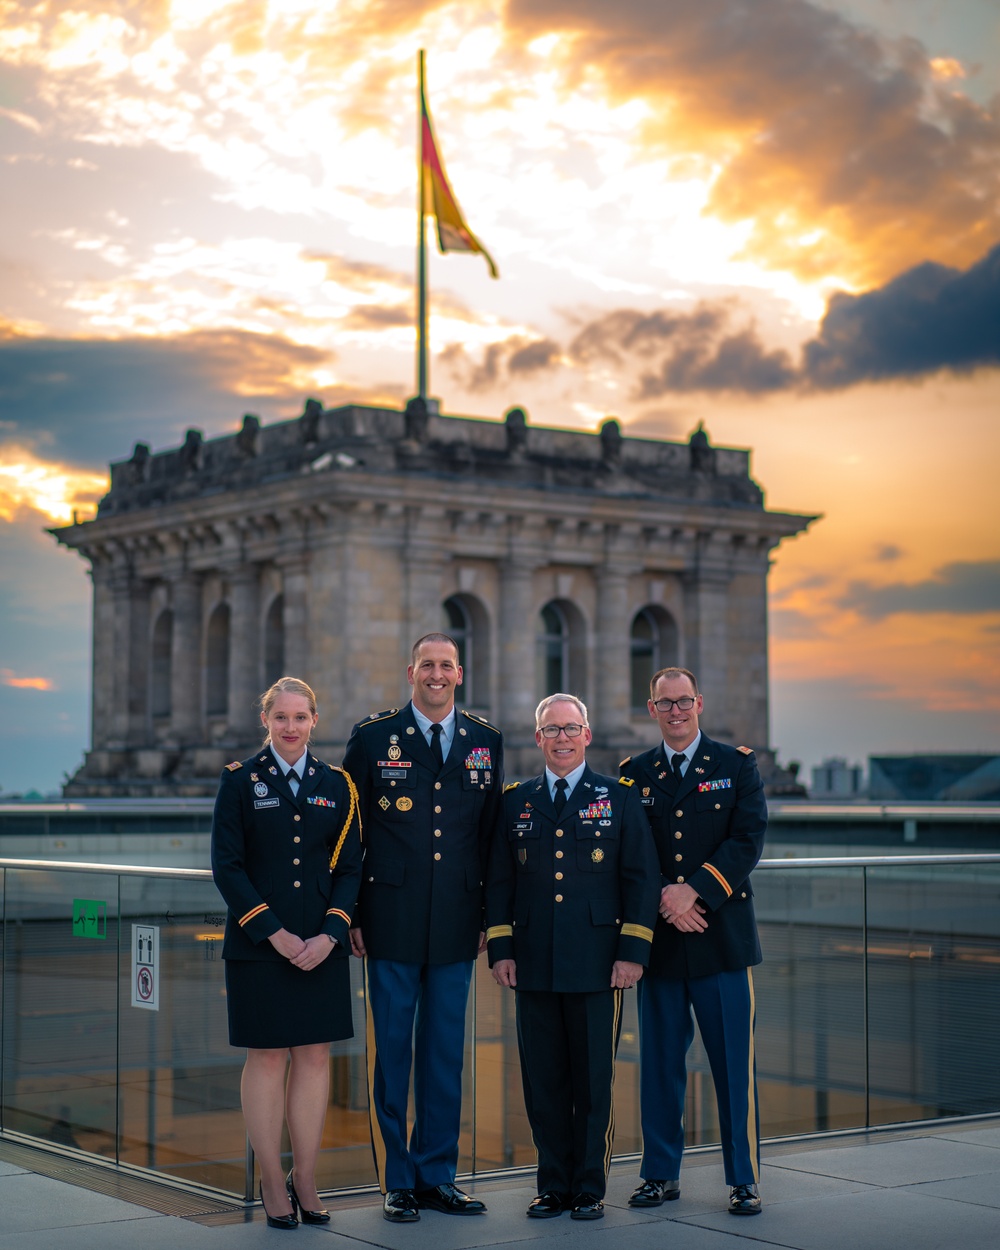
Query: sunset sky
point(777, 217)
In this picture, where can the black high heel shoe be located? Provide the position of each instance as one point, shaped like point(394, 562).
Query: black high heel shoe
point(308, 1217)
point(278, 1221)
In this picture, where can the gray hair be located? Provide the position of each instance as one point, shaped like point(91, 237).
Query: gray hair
point(561, 698)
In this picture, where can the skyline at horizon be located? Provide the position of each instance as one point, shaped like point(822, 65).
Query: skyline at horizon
point(777, 217)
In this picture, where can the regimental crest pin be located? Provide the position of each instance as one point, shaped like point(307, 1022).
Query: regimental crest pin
point(272, 769)
point(394, 752)
point(645, 792)
point(394, 737)
point(597, 855)
point(384, 803)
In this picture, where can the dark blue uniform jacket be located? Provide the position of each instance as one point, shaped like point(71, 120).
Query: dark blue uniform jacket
point(426, 835)
point(568, 895)
point(282, 862)
point(709, 832)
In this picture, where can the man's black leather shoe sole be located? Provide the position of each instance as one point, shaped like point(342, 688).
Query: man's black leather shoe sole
point(655, 1193)
point(547, 1205)
point(399, 1206)
point(450, 1200)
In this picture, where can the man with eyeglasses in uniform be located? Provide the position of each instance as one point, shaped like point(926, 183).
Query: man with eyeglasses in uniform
point(571, 897)
point(706, 808)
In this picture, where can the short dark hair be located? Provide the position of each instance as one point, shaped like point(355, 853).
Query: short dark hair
point(434, 638)
point(672, 671)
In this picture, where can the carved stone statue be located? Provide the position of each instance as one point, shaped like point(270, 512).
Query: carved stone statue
point(248, 439)
point(309, 423)
point(611, 441)
point(517, 430)
point(190, 452)
point(702, 454)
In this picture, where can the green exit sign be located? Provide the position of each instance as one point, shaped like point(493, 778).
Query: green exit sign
point(90, 918)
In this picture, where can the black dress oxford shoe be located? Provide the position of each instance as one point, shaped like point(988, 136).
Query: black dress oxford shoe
point(399, 1206)
point(450, 1200)
point(587, 1207)
point(547, 1205)
point(744, 1200)
point(322, 1216)
point(655, 1193)
point(286, 1222)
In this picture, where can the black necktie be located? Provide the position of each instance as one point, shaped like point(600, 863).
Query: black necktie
point(676, 763)
point(562, 785)
point(436, 746)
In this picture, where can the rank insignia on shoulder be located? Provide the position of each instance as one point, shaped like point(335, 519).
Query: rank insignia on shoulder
point(745, 750)
point(233, 766)
point(511, 785)
point(626, 781)
point(480, 720)
point(626, 760)
point(389, 711)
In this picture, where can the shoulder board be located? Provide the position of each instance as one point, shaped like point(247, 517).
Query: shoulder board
point(480, 720)
point(373, 716)
point(626, 760)
point(511, 785)
point(745, 750)
point(626, 781)
point(234, 765)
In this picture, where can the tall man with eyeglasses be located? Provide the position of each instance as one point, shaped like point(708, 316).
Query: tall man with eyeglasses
point(571, 897)
point(706, 808)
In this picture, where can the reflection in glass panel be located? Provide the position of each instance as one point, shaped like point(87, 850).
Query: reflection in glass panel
point(934, 990)
point(810, 999)
point(60, 1007)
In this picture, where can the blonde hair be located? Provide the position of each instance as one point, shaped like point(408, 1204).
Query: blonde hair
point(285, 685)
point(561, 698)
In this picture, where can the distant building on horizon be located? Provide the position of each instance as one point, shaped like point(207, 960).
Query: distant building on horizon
point(945, 777)
point(836, 779)
point(325, 545)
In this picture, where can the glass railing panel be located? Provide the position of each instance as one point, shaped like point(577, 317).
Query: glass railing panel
point(60, 1006)
point(810, 1039)
point(345, 1160)
point(179, 1079)
point(934, 990)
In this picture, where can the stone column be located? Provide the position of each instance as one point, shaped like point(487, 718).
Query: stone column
point(611, 719)
point(186, 661)
point(706, 610)
point(518, 630)
point(121, 594)
point(138, 666)
point(295, 577)
point(103, 696)
point(244, 653)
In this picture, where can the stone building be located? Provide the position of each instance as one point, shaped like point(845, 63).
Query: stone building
point(325, 545)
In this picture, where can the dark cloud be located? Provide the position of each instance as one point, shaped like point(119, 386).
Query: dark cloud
point(927, 319)
point(377, 317)
point(541, 354)
point(888, 552)
point(961, 588)
point(693, 351)
point(836, 144)
point(93, 399)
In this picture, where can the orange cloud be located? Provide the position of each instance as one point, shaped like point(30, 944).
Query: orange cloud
point(25, 683)
point(845, 153)
point(57, 491)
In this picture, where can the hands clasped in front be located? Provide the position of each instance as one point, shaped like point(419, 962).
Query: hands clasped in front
point(304, 954)
point(680, 907)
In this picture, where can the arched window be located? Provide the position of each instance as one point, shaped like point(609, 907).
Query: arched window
point(653, 646)
point(458, 624)
point(552, 665)
point(161, 651)
point(274, 641)
point(217, 662)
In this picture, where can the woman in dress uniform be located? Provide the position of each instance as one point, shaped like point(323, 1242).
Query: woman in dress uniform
point(286, 855)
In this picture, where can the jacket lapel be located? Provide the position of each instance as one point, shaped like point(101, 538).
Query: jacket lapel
point(584, 793)
point(269, 770)
point(414, 744)
point(311, 777)
point(539, 798)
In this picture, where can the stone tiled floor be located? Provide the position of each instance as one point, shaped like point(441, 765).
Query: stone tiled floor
point(916, 1189)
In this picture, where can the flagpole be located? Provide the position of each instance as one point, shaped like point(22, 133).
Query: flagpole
point(421, 241)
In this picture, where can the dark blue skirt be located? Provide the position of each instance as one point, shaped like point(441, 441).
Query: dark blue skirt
point(272, 1004)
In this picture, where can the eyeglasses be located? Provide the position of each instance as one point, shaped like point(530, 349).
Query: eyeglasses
point(553, 731)
point(684, 704)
